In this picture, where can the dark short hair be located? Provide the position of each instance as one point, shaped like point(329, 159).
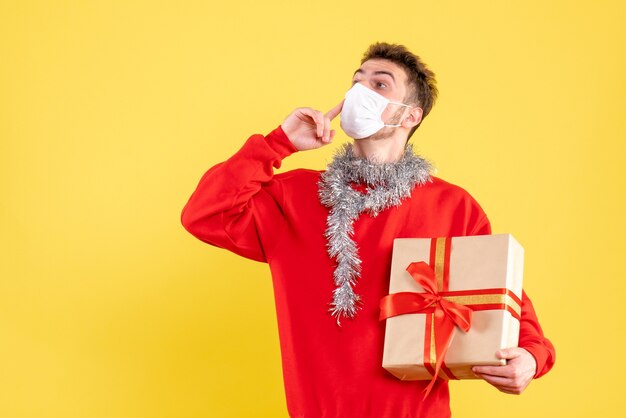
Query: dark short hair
point(421, 83)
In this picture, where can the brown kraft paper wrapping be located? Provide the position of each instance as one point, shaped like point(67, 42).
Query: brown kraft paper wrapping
point(475, 262)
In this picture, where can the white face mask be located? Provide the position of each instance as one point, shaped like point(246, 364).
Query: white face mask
point(361, 114)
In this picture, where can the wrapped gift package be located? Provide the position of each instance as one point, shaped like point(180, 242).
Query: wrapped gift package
point(473, 280)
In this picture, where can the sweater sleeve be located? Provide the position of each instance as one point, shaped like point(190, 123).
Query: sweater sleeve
point(531, 335)
point(532, 339)
point(237, 205)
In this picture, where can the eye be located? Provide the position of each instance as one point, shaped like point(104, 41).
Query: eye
point(380, 85)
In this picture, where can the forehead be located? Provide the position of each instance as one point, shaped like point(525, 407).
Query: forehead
point(376, 65)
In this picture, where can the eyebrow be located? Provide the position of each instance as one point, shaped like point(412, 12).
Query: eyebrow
point(360, 71)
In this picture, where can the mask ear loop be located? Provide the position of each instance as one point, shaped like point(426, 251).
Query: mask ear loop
point(399, 104)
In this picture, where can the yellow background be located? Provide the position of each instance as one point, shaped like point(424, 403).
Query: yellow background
point(110, 111)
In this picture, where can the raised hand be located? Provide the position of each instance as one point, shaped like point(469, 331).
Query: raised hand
point(308, 128)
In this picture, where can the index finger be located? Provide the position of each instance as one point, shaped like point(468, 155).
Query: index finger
point(332, 113)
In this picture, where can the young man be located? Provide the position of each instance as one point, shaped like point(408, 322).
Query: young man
point(328, 235)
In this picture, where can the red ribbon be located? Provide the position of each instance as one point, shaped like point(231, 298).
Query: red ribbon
point(447, 314)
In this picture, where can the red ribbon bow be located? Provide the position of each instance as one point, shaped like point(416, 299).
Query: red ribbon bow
point(447, 314)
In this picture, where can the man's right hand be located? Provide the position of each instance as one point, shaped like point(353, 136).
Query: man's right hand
point(308, 128)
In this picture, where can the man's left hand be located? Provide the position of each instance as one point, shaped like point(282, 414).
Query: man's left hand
point(513, 377)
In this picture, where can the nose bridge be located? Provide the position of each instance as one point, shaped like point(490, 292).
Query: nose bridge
point(365, 81)
point(362, 89)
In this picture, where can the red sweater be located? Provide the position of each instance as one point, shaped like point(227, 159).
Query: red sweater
point(331, 371)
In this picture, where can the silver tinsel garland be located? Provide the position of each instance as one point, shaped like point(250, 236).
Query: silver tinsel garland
point(386, 185)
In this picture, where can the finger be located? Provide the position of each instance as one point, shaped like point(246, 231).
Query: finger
point(332, 113)
point(509, 390)
point(332, 135)
point(509, 353)
point(317, 117)
point(504, 371)
point(499, 382)
point(326, 137)
point(319, 123)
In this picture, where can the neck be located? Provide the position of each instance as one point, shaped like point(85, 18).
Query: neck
point(383, 150)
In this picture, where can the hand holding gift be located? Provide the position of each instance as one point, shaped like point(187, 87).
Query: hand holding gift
point(515, 376)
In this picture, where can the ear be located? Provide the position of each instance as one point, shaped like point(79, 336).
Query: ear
point(414, 117)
